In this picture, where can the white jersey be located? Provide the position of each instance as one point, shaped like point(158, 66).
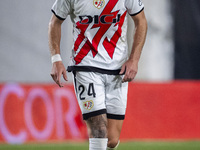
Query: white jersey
point(99, 28)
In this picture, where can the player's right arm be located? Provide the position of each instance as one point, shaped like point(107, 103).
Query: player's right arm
point(54, 36)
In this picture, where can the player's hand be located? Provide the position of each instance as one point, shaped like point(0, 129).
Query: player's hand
point(130, 69)
point(57, 71)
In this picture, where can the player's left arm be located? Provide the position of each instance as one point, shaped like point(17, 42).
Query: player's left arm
point(130, 67)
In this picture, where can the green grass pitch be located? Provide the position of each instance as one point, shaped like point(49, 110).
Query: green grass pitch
point(183, 145)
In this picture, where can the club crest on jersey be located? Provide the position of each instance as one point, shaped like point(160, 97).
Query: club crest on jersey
point(98, 3)
point(88, 104)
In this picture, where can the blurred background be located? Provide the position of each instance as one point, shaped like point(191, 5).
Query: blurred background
point(166, 100)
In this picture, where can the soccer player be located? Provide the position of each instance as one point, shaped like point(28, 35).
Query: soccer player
point(100, 63)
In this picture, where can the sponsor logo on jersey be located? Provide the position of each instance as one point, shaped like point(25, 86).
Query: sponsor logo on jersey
point(98, 3)
point(88, 104)
point(104, 19)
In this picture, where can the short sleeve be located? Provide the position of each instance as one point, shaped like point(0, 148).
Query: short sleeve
point(134, 7)
point(61, 8)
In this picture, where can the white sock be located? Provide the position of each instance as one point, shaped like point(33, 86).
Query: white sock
point(98, 143)
point(114, 147)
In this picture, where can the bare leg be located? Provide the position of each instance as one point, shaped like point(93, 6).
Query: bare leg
point(97, 126)
point(114, 129)
point(97, 130)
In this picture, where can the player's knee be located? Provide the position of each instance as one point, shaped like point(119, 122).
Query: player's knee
point(112, 143)
point(99, 132)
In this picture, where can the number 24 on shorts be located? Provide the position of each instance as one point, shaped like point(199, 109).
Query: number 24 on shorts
point(91, 91)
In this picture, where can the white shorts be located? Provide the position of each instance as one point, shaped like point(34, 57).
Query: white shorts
point(101, 93)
